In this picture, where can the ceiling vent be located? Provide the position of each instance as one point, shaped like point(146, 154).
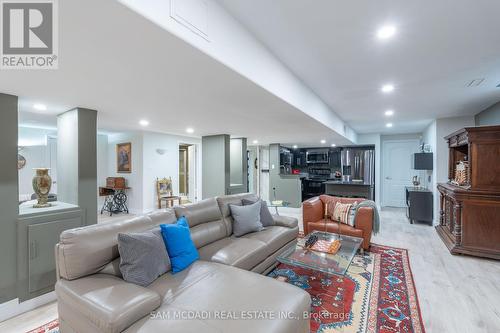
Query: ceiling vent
point(475, 83)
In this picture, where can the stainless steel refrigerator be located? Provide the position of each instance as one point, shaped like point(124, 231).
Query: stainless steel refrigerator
point(358, 165)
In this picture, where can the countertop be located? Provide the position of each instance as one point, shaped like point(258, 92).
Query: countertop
point(417, 189)
point(26, 208)
point(340, 182)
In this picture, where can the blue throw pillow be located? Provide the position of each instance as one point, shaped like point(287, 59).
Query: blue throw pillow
point(180, 246)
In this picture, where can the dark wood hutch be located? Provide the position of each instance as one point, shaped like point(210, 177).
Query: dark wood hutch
point(470, 212)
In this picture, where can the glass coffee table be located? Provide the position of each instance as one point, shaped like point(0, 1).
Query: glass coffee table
point(277, 204)
point(337, 263)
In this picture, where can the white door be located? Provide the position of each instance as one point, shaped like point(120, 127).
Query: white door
point(397, 170)
point(191, 175)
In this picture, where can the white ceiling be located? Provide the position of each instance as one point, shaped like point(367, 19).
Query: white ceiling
point(440, 46)
point(113, 60)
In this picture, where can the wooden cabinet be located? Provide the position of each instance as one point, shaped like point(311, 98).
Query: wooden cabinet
point(470, 213)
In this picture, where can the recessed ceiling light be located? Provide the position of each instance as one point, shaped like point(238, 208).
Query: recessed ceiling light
point(388, 125)
point(323, 141)
point(40, 107)
point(295, 146)
point(386, 32)
point(144, 122)
point(389, 113)
point(334, 145)
point(387, 88)
point(255, 142)
point(189, 130)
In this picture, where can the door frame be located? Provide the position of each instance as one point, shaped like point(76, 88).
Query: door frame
point(382, 168)
point(195, 192)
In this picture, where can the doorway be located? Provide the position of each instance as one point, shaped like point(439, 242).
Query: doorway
point(253, 170)
point(187, 173)
point(397, 170)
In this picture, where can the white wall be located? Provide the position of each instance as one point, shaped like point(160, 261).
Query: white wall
point(264, 176)
point(37, 154)
point(166, 165)
point(429, 137)
point(489, 116)
point(102, 164)
point(154, 155)
point(134, 179)
point(229, 42)
point(374, 139)
point(36, 157)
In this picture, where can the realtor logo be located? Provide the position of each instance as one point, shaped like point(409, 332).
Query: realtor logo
point(29, 34)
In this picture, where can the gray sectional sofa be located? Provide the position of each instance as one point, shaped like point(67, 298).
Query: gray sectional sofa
point(221, 292)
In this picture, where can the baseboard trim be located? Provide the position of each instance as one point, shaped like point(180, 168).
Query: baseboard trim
point(13, 308)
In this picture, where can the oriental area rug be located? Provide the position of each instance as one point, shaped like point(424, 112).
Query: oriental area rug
point(377, 294)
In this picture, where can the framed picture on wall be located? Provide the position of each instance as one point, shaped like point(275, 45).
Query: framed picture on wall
point(124, 157)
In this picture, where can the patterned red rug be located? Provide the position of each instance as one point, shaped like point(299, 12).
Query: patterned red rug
point(52, 327)
point(376, 295)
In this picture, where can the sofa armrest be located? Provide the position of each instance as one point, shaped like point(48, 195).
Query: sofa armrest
point(312, 211)
point(285, 221)
point(364, 221)
point(107, 302)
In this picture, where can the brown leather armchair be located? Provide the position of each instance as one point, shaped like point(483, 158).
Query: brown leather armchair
point(314, 218)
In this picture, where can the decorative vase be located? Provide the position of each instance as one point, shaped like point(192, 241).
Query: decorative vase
point(41, 185)
point(416, 181)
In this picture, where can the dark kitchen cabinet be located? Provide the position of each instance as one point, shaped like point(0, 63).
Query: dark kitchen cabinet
point(335, 159)
point(312, 188)
point(419, 205)
point(299, 159)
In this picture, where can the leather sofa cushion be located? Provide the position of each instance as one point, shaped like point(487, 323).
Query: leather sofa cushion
point(112, 268)
point(205, 221)
point(243, 253)
point(274, 237)
point(286, 221)
point(86, 250)
point(166, 216)
point(201, 212)
point(330, 226)
point(209, 232)
point(224, 288)
point(108, 302)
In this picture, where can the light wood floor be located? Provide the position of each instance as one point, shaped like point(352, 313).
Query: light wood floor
point(457, 294)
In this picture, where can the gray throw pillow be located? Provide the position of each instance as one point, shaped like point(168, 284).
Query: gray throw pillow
point(265, 215)
point(246, 219)
point(143, 256)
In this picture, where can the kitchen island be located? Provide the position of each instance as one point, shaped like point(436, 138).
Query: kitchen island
point(352, 189)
